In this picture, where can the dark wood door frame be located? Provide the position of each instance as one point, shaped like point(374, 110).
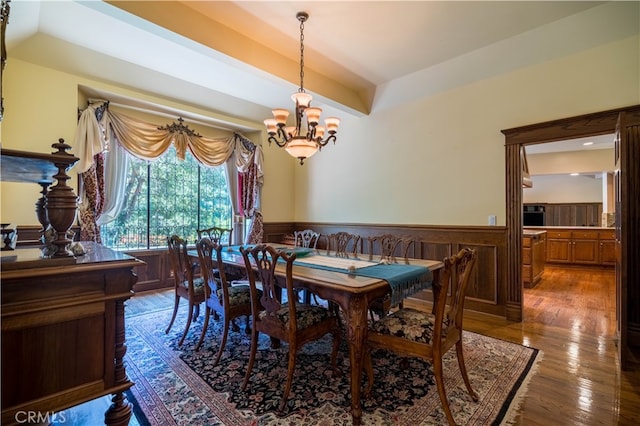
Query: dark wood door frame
point(599, 123)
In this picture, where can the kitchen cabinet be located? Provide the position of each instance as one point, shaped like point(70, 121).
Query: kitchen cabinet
point(580, 246)
point(533, 256)
point(584, 247)
point(559, 246)
point(607, 247)
point(573, 214)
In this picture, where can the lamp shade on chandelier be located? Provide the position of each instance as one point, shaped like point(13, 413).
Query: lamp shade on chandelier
point(305, 138)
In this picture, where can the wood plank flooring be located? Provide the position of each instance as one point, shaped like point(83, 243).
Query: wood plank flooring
point(570, 316)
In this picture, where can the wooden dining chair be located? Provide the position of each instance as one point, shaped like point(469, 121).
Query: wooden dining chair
point(410, 332)
point(228, 300)
point(217, 234)
point(291, 322)
point(387, 248)
point(187, 285)
point(307, 238)
point(343, 244)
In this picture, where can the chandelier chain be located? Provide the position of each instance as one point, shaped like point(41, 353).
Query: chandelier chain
point(301, 55)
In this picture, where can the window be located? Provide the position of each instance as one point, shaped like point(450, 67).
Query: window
point(168, 196)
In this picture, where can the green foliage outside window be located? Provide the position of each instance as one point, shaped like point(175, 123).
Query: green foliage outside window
point(168, 196)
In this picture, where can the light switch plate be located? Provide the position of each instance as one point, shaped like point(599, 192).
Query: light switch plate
point(492, 220)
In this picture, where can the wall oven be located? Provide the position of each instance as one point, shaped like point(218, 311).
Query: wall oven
point(533, 215)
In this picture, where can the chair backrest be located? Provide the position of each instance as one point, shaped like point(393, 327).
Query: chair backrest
point(210, 257)
point(343, 244)
point(456, 274)
point(216, 234)
point(180, 264)
point(307, 238)
point(260, 263)
point(389, 247)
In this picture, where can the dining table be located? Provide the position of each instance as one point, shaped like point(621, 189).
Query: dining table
point(353, 283)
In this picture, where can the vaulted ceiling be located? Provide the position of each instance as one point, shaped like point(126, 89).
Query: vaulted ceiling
point(241, 58)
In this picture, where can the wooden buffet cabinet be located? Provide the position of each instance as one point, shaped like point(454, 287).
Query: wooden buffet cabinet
point(63, 330)
point(63, 336)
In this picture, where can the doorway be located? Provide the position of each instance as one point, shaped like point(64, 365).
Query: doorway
point(628, 290)
point(569, 179)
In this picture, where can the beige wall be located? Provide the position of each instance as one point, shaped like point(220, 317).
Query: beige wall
point(439, 160)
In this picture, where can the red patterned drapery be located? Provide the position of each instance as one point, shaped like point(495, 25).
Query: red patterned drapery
point(249, 190)
point(92, 200)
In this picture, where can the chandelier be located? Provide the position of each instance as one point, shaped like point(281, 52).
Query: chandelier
point(301, 141)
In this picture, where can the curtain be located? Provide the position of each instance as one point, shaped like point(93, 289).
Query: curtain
point(98, 126)
point(91, 200)
point(116, 164)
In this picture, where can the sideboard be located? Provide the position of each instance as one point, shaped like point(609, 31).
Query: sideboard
point(63, 332)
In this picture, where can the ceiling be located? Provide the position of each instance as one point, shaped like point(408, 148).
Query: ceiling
point(581, 144)
point(238, 59)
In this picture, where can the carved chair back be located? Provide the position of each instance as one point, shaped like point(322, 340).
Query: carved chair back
point(216, 234)
point(389, 246)
point(344, 244)
point(307, 238)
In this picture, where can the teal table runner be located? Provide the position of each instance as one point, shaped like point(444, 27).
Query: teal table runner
point(404, 280)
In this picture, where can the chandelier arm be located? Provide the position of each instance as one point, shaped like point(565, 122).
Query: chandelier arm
point(280, 143)
point(322, 143)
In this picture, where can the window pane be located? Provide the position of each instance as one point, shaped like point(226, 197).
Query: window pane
point(215, 204)
point(181, 197)
point(173, 199)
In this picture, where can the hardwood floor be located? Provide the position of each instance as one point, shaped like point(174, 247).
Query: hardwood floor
point(570, 316)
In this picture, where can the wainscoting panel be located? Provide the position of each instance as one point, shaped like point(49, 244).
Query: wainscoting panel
point(155, 273)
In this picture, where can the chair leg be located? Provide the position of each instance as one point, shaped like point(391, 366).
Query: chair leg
point(247, 327)
point(234, 326)
point(437, 370)
point(186, 328)
point(368, 365)
point(225, 333)
point(196, 311)
point(207, 313)
point(463, 371)
point(252, 356)
point(290, 369)
point(334, 351)
point(173, 317)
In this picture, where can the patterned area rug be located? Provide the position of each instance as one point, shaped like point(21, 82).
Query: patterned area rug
point(180, 386)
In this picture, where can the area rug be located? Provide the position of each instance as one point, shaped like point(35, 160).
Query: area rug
point(179, 386)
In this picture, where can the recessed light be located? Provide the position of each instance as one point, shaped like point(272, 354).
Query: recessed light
point(587, 143)
point(575, 174)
